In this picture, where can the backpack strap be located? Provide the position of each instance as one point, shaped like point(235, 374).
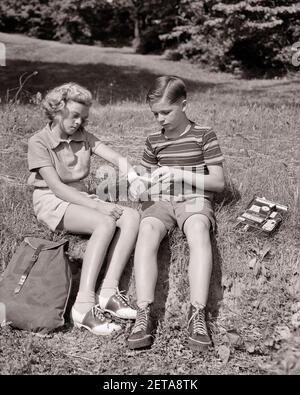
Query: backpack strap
point(24, 276)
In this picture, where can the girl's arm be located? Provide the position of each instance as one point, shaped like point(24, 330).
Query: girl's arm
point(69, 194)
point(117, 159)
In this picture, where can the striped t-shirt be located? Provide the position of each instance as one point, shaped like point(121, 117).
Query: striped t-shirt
point(194, 150)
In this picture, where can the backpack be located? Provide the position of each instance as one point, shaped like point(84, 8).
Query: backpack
point(36, 286)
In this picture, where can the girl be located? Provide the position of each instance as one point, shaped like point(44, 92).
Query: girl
point(59, 159)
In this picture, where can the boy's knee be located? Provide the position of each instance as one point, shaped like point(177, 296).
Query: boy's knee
point(150, 229)
point(197, 227)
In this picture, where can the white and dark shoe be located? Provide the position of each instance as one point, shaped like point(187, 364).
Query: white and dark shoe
point(118, 306)
point(95, 321)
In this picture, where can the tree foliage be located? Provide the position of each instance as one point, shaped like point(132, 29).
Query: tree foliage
point(81, 21)
point(233, 33)
point(151, 18)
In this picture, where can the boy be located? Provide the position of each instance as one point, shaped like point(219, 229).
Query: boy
point(188, 163)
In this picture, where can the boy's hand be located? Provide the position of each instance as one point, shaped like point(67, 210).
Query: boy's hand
point(166, 174)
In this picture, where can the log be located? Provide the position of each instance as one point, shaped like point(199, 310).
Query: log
point(172, 290)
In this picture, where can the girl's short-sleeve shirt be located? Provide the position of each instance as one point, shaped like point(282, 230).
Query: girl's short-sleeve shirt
point(70, 157)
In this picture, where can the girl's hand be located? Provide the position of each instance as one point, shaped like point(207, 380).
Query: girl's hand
point(111, 209)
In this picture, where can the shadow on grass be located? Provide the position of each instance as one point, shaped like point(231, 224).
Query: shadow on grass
point(228, 197)
point(215, 295)
point(108, 83)
point(112, 84)
point(163, 283)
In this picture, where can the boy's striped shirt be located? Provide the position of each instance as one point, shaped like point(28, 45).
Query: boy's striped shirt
point(193, 150)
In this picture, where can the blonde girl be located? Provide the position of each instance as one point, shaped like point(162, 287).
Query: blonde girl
point(59, 159)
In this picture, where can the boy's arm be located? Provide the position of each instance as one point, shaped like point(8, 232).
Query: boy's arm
point(213, 182)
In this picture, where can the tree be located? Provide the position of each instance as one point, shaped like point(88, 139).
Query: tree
point(231, 34)
point(150, 18)
point(137, 6)
point(261, 32)
point(83, 21)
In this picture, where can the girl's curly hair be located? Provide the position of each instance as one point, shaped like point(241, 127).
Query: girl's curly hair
point(56, 99)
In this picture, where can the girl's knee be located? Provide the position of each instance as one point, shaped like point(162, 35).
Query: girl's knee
point(129, 218)
point(105, 224)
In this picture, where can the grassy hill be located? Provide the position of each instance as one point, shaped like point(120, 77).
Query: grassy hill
point(254, 298)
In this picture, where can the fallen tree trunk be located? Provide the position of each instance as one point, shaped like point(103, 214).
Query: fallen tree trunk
point(172, 290)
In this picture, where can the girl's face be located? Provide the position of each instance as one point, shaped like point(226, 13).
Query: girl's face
point(170, 116)
point(72, 117)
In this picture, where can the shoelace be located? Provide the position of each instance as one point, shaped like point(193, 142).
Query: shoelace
point(123, 299)
point(97, 312)
point(141, 320)
point(198, 321)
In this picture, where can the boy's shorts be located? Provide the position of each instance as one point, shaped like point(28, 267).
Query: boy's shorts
point(177, 212)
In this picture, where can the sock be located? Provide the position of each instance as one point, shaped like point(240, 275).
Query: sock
point(198, 305)
point(144, 303)
point(84, 301)
point(108, 288)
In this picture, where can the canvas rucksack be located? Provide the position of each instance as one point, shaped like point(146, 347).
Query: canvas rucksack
point(36, 285)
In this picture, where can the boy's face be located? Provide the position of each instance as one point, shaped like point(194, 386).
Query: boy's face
point(73, 116)
point(169, 116)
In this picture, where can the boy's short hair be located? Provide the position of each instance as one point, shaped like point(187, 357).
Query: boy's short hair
point(167, 86)
point(56, 99)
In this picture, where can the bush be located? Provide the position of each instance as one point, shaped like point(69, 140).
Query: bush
point(172, 54)
point(79, 21)
point(32, 17)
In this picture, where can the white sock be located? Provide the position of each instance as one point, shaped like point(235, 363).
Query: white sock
point(84, 301)
point(144, 303)
point(108, 288)
point(198, 305)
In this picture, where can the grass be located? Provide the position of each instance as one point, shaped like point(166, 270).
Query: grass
point(253, 311)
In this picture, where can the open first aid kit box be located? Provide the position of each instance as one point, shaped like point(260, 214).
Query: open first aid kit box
point(262, 216)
